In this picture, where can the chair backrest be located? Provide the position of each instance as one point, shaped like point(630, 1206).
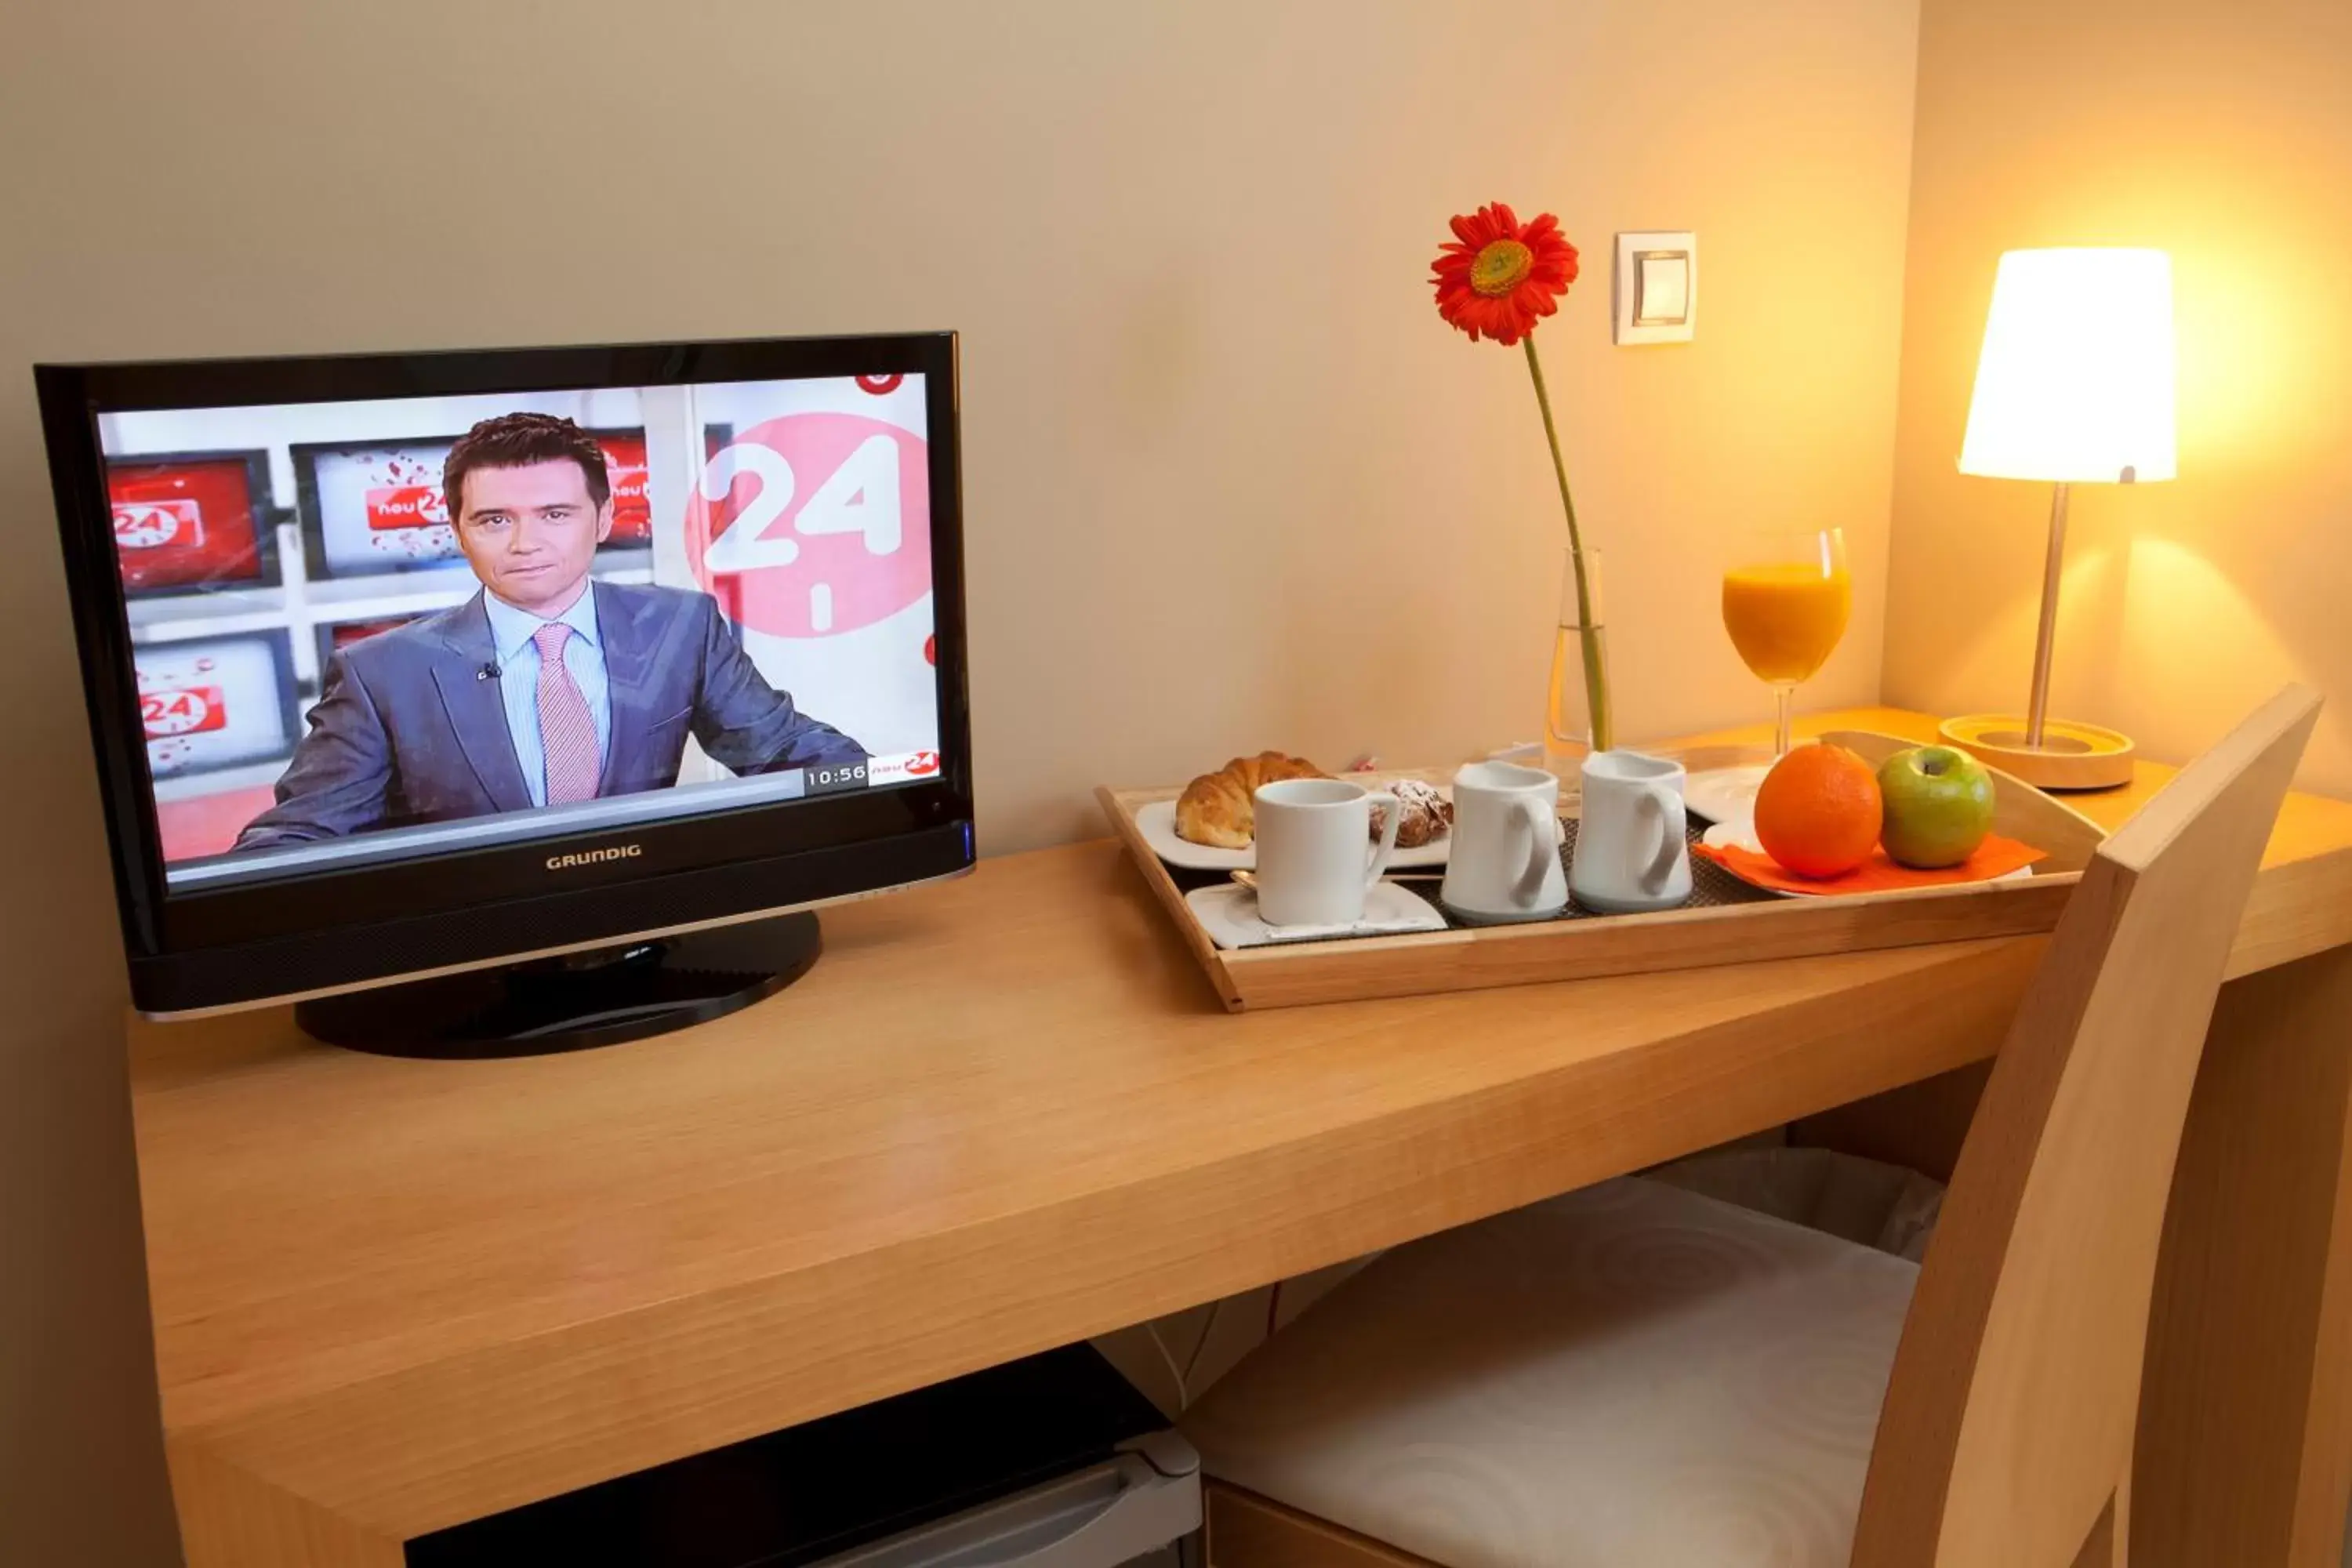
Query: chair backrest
point(2005, 1441)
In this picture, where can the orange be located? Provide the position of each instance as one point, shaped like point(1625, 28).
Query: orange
point(1818, 811)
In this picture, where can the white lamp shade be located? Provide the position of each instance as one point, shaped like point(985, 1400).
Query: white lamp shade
point(2075, 382)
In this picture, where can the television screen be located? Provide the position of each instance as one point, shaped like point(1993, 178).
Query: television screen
point(206, 703)
point(463, 659)
point(184, 520)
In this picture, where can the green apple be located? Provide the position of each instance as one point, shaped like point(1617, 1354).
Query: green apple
point(1939, 807)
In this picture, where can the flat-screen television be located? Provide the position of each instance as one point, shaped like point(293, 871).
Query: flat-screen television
point(553, 686)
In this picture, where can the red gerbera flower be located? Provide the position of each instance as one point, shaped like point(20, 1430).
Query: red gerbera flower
point(1497, 277)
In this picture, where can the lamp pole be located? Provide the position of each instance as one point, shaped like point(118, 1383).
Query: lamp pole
point(2038, 708)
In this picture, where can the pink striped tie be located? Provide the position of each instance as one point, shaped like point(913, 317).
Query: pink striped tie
point(567, 732)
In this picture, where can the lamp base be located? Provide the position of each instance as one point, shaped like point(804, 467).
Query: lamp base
point(2071, 756)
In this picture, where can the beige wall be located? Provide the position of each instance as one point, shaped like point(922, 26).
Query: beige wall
point(2222, 133)
point(1230, 482)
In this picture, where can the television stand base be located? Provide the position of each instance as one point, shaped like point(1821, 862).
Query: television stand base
point(599, 997)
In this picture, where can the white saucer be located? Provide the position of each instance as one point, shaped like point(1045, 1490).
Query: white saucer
point(1158, 823)
point(1724, 795)
point(1228, 912)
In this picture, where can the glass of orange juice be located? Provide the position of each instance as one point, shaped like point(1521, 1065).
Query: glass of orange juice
point(1786, 604)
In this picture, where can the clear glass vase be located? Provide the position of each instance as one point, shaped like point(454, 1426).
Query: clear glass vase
point(1577, 717)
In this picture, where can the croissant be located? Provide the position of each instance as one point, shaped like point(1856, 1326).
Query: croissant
point(1217, 809)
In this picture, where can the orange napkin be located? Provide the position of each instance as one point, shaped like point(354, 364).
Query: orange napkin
point(1996, 857)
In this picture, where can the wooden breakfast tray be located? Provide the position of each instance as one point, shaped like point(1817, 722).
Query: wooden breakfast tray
point(1739, 928)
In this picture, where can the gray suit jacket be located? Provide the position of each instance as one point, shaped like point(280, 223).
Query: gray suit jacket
point(408, 729)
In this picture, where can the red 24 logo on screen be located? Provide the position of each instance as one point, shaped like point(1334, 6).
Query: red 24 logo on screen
point(813, 525)
point(390, 507)
point(173, 710)
point(152, 525)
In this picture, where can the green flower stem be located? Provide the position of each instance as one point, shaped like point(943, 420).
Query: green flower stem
point(1596, 675)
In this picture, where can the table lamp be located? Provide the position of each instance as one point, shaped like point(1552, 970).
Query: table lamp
point(2075, 386)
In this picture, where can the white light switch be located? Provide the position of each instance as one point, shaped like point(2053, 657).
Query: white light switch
point(1661, 288)
point(1656, 287)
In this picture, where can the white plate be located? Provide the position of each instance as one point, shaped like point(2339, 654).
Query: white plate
point(1228, 912)
point(1158, 823)
point(1724, 795)
point(1742, 834)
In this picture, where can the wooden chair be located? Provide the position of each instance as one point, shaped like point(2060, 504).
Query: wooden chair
point(1636, 1375)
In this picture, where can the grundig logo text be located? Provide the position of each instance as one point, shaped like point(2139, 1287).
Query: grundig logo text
point(593, 857)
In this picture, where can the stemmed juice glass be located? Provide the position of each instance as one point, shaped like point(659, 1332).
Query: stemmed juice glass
point(1786, 601)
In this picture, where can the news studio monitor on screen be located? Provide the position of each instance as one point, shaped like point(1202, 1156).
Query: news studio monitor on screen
point(661, 609)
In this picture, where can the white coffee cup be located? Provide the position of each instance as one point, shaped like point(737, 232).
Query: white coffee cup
point(1505, 860)
point(1631, 852)
point(1315, 858)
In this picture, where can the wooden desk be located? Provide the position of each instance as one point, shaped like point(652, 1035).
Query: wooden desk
point(1006, 1113)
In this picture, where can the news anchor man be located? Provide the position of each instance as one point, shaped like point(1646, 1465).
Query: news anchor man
point(544, 687)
